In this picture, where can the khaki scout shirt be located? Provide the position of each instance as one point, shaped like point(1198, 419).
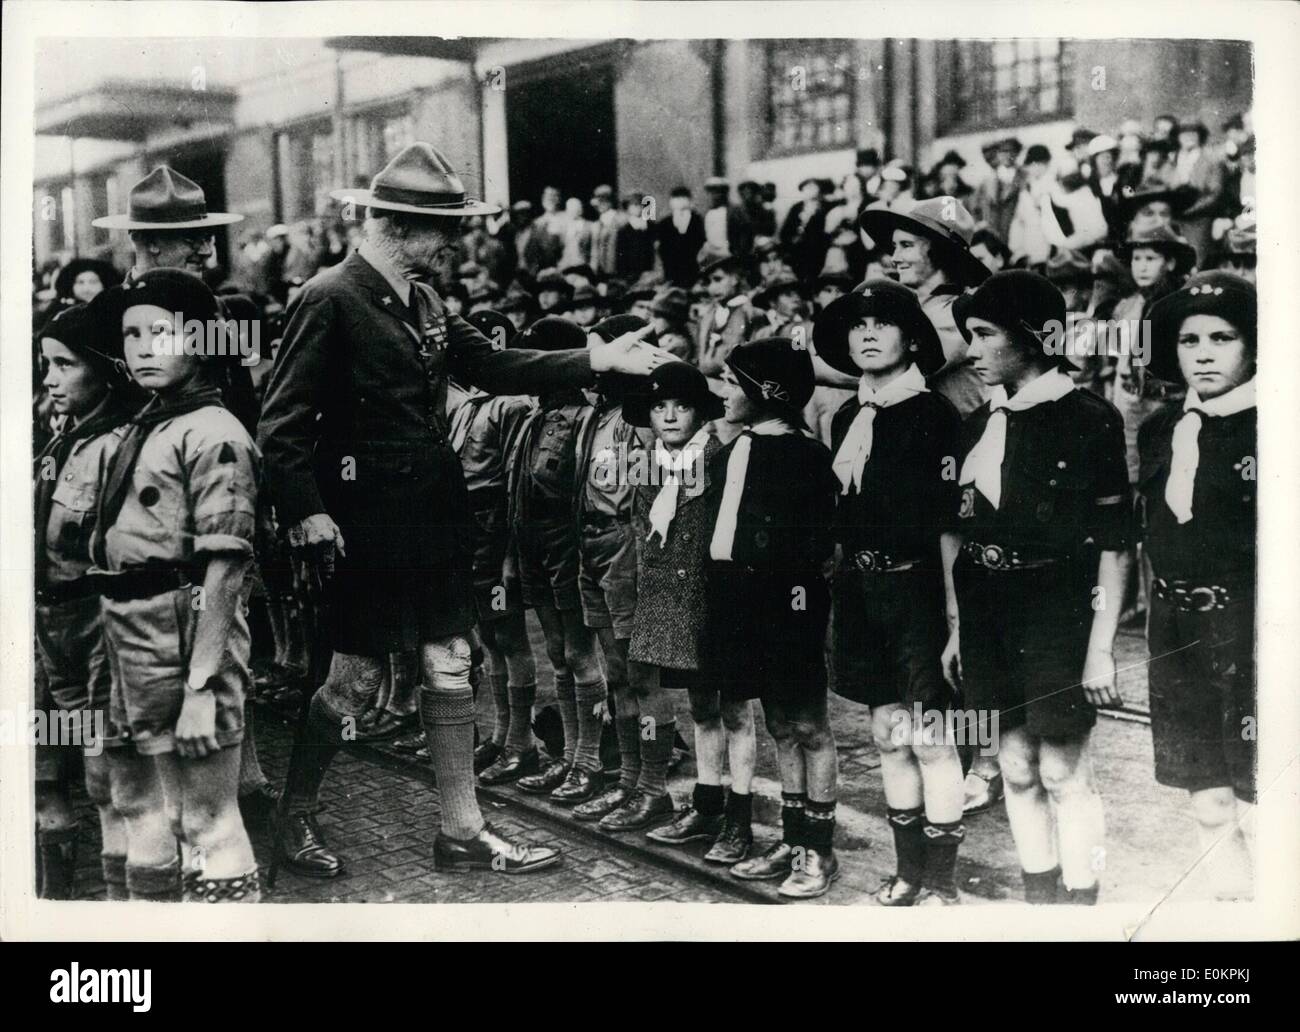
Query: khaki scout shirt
point(193, 493)
point(74, 503)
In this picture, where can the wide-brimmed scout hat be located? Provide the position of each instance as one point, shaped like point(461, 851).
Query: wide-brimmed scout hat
point(776, 373)
point(885, 300)
point(1225, 294)
point(166, 200)
point(1164, 239)
point(1177, 197)
point(1023, 303)
point(675, 380)
point(418, 181)
point(944, 221)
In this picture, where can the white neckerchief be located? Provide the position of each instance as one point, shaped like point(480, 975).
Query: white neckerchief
point(1186, 447)
point(855, 450)
point(724, 531)
point(983, 466)
point(664, 508)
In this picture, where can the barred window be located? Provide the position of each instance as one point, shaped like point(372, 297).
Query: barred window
point(810, 89)
point(306, 166)
point(999, 82)
point(377, 137)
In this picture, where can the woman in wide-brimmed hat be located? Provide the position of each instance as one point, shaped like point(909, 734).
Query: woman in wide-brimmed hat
point(1198, 488)
point(884, 301)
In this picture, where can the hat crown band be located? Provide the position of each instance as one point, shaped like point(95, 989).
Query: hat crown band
point(418, 198)
point(169, 210)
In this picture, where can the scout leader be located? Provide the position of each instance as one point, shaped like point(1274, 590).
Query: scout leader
point(174, 541)
point(1197, 484)
point(891, 444)
point(544, 558)
point(353, 429)
point(483, 433)
point(1044, 521)
point(767, 600)
point(92, 400)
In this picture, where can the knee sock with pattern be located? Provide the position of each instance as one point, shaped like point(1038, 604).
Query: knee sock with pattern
point(630, 747)
point(568, 706)
point(941, 844)
point(819, 825)
point(519, 732)
point(792, 817)
point(589, 696)
point(909, 844)
point(447, 713)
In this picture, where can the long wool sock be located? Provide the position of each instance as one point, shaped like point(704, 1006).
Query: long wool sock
point(568, 705)
point(630, 746)
point(819, 825)
point(587, 754)
point(1040, 886)
point(792, 817)
point(313, 752)
point(447, 714)
point(941, 844)
point(708, 800)
point(114, 865)
point(740, 809)
point(909, 844)
point(160, 884)
point(501, 702)
point(519, 733)
point(655, 754)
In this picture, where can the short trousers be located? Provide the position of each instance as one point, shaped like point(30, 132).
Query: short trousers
point(1202, 690)
point(1024, 639)
point(548, 565)
point(607, 578)
point(888, 632)
point(149, 642)
point(493, 600)
point(72, 657)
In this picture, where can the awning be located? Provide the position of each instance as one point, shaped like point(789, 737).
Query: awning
point(131, 111)
point(447, 49)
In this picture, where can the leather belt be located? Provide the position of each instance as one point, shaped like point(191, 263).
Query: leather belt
point(999, 557)
point(138, 582)
point(871, 561)
point(66, 591)
point(1189, 597)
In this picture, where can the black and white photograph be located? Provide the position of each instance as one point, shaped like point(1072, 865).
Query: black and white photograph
point(795, 460)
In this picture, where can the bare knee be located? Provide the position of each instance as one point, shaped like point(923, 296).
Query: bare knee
point(1214, 807)
point(705, 711)
point(812, 733)
point(891, 730)
point(1019, 768)
point(737, 718)
point(1061, 771)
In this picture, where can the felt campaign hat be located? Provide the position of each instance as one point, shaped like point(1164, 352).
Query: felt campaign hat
point(1163, 239)
point(1028, 306)
point(942, 220)
point(418, 181)
point(887, 301)
point(166, 200)
point(676, 381)
point(1132, 199)
point(723, 262)
point(1225, 294)
point(776, 373)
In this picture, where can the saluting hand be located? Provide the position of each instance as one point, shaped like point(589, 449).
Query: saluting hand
point(628, 354)
point(1099, 679)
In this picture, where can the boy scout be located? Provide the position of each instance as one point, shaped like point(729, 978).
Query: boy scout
point(1197, 486)
point(174, 542)
point(92, 399)
point(891, 443)
point(1043, 520)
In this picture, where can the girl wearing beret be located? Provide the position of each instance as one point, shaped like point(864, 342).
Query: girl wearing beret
point(1197, 496)
point(1044, 523)
point(892, 443)
point(173, 543)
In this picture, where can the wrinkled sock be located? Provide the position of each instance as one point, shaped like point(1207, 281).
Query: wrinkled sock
point(909, 844)
point(160, 884)
point(587, 754)
point(628, 730)
point(1040, 886)
point(314, 750)
point(501, 701)
point(819, 825)
point(568, 706)
point(519, 732)
point(941, 844)
point(655, 754)
point(114, 866)
point(792, 817)
point(740, 809)
point(447, 713)
point(708, 800)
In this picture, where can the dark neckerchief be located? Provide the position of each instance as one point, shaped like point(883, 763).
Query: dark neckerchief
point(117, 480)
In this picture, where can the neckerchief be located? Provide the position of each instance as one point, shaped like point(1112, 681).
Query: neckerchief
point(664, 508)
point(1186, 448)
point(724, 531)
point(983, 465)
point(855, 450)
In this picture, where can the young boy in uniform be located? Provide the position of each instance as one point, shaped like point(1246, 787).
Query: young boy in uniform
point(768, 602)
point(92, 399)
point(1044, 525)
point(891, 443)
point(542, 473)
point(174, 541)
point(1198, 482)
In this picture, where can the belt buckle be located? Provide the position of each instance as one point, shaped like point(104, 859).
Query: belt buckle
point(1211, 596)
point(866, 562)
point(994, 557)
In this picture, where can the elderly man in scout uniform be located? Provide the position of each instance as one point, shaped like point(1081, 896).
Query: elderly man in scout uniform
point(1043, 519)
point(355, 441)
point(931, 249)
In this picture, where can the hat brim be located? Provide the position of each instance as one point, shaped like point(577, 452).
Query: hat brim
point(367, 199)
point(792, 411)
point(637, 405)
point(831, 333)
point(880, 223)
point(1166, 318)
point(729, 261)
point(211, 219)
point(967, 306)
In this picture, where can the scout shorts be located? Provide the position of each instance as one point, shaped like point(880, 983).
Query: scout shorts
point(607, 577)
point(548, 565)
point(888, 632)
point(1202, 689)
point(1024, 639)
point(491, 539)
point(149, 642)
point(74, 663)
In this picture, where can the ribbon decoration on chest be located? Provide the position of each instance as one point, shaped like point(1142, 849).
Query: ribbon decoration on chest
point(855, 450)
point(724, 531)
point(983, 466)
point(664, 508)
point(1186, 446)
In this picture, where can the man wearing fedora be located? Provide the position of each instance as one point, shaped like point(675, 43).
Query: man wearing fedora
point(931, 249)
point(354, 436)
